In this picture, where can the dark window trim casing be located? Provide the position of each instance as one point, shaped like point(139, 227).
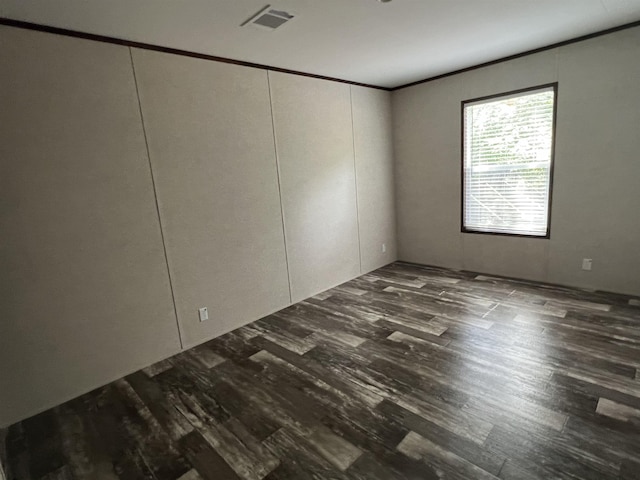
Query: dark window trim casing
point(464, 229)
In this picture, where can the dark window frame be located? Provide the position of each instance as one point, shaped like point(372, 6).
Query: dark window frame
point(464, 229)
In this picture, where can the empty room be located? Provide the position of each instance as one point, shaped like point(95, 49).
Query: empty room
point(342, 240)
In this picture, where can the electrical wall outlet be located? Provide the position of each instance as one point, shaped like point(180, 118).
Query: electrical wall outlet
point(587, 263)
point(384, 248)
point(204, 314)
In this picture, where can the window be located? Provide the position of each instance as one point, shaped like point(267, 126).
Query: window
point(507, 162)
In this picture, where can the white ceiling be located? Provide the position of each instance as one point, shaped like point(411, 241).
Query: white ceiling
point(384, 44)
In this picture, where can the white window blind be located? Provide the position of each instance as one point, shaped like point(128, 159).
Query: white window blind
point(507, 155)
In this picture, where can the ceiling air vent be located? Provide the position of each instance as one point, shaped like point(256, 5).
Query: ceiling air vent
point(269, 18)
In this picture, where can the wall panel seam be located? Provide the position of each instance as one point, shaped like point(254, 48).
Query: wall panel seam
point(275, 148)
point(394, 167)
point(155, 197)
point(355, 177)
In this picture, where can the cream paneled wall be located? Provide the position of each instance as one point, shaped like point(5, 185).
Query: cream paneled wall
point(84, 289)
point(596, 198)
point(122, 214)
point(245, 190)
point(373, 145)
point(314, 139)
point(211, 145)
point(597, 213)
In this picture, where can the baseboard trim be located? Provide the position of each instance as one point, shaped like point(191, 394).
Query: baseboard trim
point(136, 368)
point(539, 283)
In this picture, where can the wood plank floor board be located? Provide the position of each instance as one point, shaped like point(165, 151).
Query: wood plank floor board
point(446, 463)
point(368, 467)
point(552, 453)
point(206, 460)
point(629, 470)
point(408, 372)
point(464, 448)
point(611, 440)
point(453, 370)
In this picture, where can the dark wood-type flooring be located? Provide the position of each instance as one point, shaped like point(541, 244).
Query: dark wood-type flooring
point(405, 373)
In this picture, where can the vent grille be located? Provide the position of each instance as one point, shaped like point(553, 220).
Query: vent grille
point(269, 18)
